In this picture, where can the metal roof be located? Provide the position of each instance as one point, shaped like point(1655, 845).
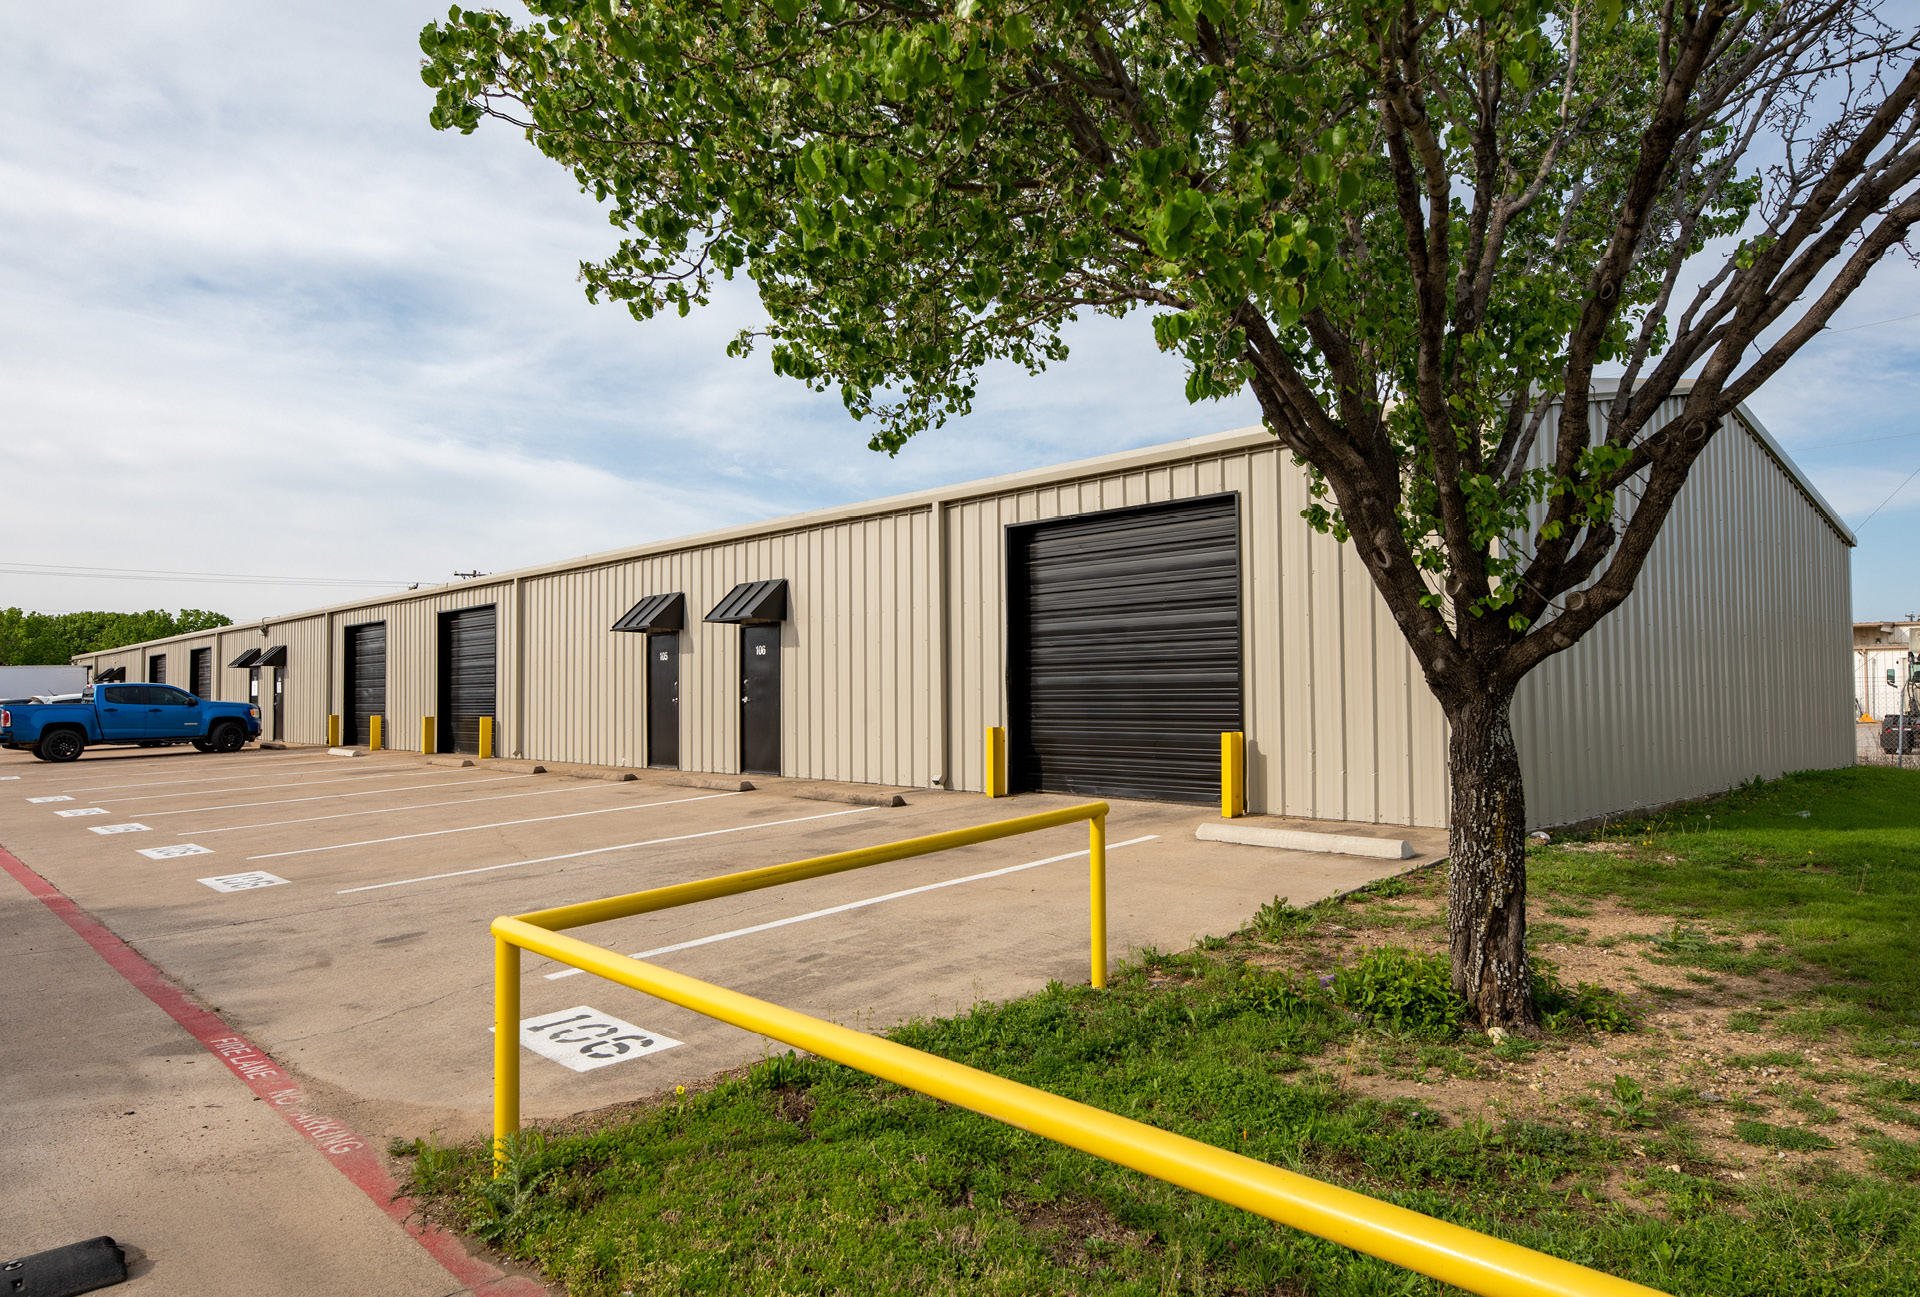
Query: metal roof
point(753, 601)
point(656, 612)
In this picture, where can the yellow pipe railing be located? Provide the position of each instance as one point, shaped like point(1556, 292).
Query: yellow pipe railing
point(1477, 1262)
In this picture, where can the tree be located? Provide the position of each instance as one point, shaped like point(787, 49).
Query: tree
point(1414, 231)
point(53, 639)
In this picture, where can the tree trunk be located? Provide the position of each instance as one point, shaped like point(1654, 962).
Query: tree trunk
point(1487, 875)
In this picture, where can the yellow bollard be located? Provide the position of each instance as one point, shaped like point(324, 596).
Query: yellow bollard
point(996, 761)
point(1233, 774)
point(333, 731)
point(506, 1048)
point(373, 732)
point(486, 737)
point(1097, 895)
point(428, 732)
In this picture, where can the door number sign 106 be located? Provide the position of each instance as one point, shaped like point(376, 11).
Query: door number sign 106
point(583, 1038)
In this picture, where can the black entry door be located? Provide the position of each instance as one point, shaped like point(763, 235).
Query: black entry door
point(365, 692)
point(663, 701)
point(279, 703)
point(760, 700)
point(468, 670)
point(1124, 650)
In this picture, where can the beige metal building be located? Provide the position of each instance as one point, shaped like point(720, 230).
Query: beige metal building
point(1114, 614)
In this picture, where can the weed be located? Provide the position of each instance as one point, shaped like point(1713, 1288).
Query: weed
point(1399, 988)
point(1587, 1004)
point(1277, 920)
point(1629, 1107)
point(516, 1201)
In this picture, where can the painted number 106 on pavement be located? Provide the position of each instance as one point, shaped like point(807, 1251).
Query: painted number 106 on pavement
point(583, 1038)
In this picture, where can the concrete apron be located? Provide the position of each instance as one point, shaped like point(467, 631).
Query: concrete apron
point(375, 998)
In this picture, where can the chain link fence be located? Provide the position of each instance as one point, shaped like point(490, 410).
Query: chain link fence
point(1890, 741)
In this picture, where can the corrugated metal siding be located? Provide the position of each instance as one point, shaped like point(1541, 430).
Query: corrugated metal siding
point(1728, 661)
point(1339, 726)
point(859, 668)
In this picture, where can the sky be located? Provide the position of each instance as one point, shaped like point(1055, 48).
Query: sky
point(258, 319)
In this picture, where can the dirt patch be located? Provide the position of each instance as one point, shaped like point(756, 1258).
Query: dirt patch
point(1075, 1231)
point(1708, 1058)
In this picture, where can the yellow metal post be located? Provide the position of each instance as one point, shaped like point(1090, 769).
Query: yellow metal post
point(506, 1048)
point(996, 761)
point(486, 737)
point(373, 732)
point(1097, 895)
point(333, 731)
point(1233, 774)
point(428, 732)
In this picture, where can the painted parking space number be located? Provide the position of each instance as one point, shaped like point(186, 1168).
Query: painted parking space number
point(118, 828)
point(242, 882)
point(37, 800)
point(84, 810)
point(181, 849)
point(583, 1038)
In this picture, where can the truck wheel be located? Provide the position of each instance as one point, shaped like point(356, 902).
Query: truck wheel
point(35, 749)
point(201, 744)
point(227, 736)
point(62, 745)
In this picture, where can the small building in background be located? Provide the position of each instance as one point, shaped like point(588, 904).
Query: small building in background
point(1880, 661)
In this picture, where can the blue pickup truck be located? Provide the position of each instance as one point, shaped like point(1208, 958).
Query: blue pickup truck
point(142, 715)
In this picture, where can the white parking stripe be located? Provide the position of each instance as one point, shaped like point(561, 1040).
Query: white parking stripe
point(392, 810)
point(267, 788)
point(474, 828)
point(855, 905)
point(210, 779)
point(327, 797)
point(624, 846)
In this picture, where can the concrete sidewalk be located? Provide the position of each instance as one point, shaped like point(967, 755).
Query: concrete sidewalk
point(117, 1120)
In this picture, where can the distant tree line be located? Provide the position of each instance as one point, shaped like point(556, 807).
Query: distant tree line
point(52, 639)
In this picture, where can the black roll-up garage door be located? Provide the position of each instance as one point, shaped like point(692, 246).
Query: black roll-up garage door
point(202, 663)
point(366, 682)
point(467, 675)
point(1124, 650)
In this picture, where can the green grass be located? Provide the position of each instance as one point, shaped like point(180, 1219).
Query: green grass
point(1834, 894)
point(804, 1177)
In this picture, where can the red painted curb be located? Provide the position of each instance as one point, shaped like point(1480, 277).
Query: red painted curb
point(348, 1153)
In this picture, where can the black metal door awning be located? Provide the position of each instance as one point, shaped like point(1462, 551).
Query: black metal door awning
point(111, 675)
point(251, 658)
point(656, 612)
point(273, 657)
point(753, 601)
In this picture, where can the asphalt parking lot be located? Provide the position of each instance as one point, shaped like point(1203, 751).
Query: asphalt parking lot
point(335, 910)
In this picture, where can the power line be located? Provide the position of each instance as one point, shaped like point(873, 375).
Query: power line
point(153, 574)
point(1889, 500)
point(1872, 323)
